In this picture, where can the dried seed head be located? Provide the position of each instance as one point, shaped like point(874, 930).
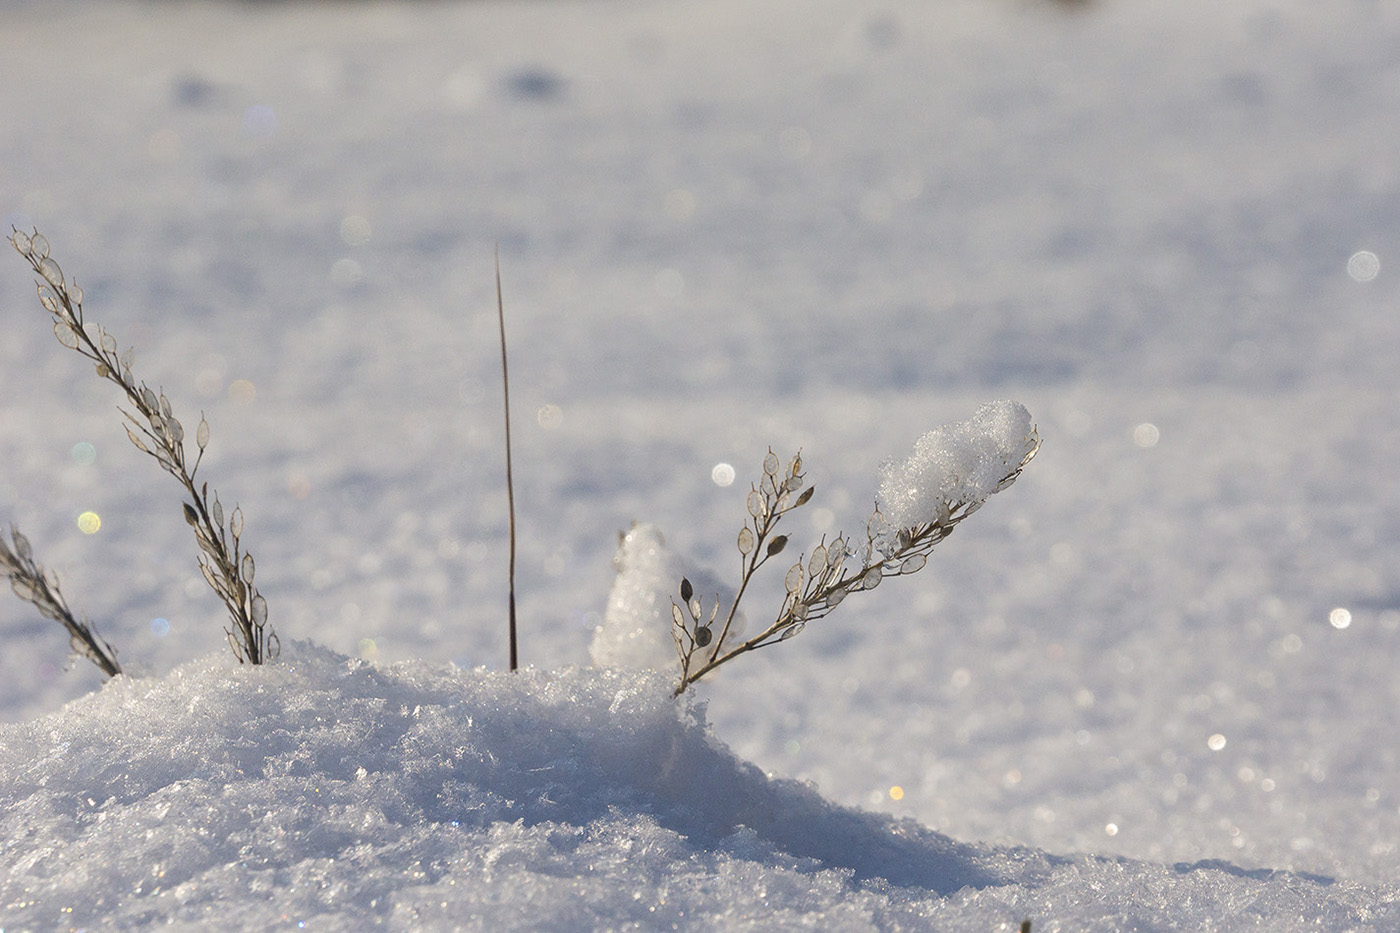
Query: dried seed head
point(745, 541)
point(755, 503)
point(817, 563)
point(20, 240)
point(39, 245)
point(259, 611)
point(687, 590)
point(201, 434)
point(770, 464)
point(793, 580)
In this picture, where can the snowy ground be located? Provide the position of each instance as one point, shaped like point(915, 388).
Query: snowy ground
point(1168, 229)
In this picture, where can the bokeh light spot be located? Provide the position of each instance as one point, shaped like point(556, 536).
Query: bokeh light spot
point(1340, 618)
point(354, 230)
point(242, 391)
point(1363, 266)
point(84, 453)
point(896, 793)
point(369, 649)
point(89, 523)
point(549, 416)
point(722, 474)
point(1111, 829)
point(1216, 742)
point(1146, 435)
point(160, 627)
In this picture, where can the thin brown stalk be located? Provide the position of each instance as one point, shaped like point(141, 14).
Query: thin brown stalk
point(510, 477)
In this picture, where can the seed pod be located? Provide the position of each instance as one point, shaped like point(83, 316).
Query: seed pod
point(770, 464)
point(703, 636)
point(201, 434)
point(21, 242)
point(793, 580)
point(52, 274)
point(777, 544)
point(65, 334)
point(259, 611)
point(745, 541)
point(249, 568)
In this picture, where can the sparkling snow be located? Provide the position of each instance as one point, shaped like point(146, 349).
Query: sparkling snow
point(1150, 686)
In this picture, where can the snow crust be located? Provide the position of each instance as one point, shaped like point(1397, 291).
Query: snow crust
point(636, 628)
point(328, 793)
point(957, 465)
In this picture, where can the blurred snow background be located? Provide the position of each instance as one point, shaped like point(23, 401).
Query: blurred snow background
point(1169, 229)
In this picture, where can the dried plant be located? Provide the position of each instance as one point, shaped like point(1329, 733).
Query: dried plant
point(817, 583)
point(32, 583)
point(157, 432)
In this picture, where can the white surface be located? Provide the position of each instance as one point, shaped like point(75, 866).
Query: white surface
point(1169, 229)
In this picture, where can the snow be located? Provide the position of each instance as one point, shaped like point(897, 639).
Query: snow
point(636, 628)
point(956, 466)
point(1119, 697)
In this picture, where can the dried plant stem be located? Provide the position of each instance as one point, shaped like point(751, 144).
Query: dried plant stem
point(32, 583)
point(227, 569)
point(814, 585)
point(510, 478)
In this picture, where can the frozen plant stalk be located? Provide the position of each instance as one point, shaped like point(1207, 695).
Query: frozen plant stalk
point(33, 584)
point(226, 567)
point(951, 474)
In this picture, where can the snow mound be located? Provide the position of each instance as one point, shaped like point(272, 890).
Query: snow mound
point(636, 628)
point(328, 793)
point(956, 464)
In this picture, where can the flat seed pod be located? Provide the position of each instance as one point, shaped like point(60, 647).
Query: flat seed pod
point(745, 541)
point(64, 332)
point(676, 616)
point(913, 564)
point(249, 568)
point(201, 434)
point(871, 581)
point(22, 547)
point(817, 564)
point(216, 511)
point(52, 274)
point(109, 343)
point(687, 590)
point(259, 613)
point(703, 636)
point(793, 579)
point(776, 545)
point(177, 431)
point(39, 245)
point(770, 463)
point(21, 241)
point(755, 503)
point(235, 523)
